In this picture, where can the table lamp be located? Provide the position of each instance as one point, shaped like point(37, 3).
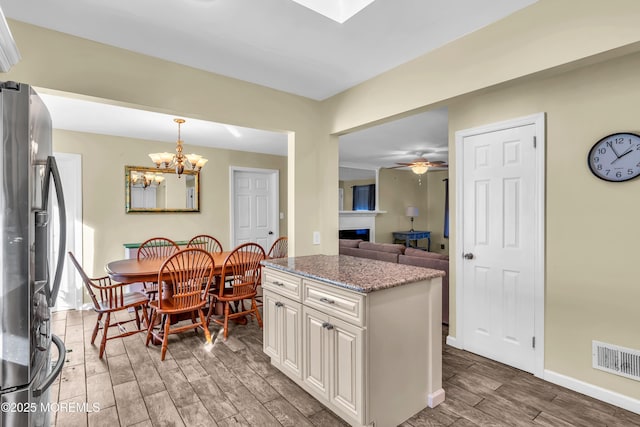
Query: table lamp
point(412, 211)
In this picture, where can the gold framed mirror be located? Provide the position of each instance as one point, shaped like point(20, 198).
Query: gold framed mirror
point(161, 190)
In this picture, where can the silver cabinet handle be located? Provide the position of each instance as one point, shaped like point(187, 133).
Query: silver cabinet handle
point(327, 300)
point(279, 304)
point(327, 326)
point(278, 283)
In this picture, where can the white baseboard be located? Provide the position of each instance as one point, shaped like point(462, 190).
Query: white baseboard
point(453, 342)
point(435, 398)
point(591, 390)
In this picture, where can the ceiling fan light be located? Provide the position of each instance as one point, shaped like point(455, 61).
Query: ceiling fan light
point(419, 168)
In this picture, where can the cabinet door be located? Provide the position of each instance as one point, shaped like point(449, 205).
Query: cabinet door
point(282, 332)
point(291, 337)
point(271, 327)
point(316, 351)
point(346, 366)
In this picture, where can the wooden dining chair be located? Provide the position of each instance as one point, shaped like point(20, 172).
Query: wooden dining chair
point(156, 247)
point(209, 244)
point(280, 248)
point(109, 298)
point(186, 277)
point(243, 268)
point(206, 242)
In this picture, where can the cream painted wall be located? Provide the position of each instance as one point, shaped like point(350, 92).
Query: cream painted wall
point(54, 61)
point(546, 36)
point(399, 189)
point(106, 224)
point(174, 193)
point(435, 210)
point(591, 290)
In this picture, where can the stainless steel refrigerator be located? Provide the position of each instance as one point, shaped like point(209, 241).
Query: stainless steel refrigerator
point(29, 277)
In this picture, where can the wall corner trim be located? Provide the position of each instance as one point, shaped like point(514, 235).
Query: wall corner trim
point(453, 342)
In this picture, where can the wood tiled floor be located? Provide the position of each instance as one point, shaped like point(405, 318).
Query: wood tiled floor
point(234, 384)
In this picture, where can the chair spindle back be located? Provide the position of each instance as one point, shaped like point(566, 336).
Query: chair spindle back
point(243, 267)
point(206, 242)
point(157, 247)
point(280, 248)
point(188, 273)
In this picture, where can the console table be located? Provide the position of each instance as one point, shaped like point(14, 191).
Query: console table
point(407, 236)
point(131, 249)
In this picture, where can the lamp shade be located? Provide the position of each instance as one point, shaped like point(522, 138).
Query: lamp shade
point(412, 211)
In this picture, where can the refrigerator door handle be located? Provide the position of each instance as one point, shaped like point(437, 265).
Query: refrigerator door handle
point(52, 171)
point(62, 352)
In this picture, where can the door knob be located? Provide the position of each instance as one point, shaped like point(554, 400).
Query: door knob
point(270, 233)
point(468, 255)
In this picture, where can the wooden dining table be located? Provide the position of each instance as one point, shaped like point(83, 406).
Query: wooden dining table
point(134, 270)
point(146, 269)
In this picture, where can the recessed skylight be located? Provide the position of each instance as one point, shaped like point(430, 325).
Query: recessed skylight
point(338, 10)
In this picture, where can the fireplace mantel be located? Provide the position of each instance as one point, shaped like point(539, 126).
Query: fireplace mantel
point(361, 213)
point(355, 220)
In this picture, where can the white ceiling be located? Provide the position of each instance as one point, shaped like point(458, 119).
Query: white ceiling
point(401, 140)
point(275, 43)
point(93, 117)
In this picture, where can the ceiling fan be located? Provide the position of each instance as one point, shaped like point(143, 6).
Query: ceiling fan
point(420, 165)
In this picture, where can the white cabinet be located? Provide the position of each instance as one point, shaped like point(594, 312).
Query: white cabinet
point(372, 358)
point(333, 362)
point(316, 352)
point(282, 336)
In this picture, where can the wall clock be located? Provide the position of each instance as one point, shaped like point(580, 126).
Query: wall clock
point(616, 157)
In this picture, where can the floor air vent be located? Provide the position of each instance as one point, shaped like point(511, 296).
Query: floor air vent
point(617, 360)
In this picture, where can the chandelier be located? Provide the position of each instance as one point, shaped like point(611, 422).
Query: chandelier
point(179, 160)
point(147, 179)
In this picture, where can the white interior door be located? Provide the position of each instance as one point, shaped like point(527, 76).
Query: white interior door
point(70, 168)
point(254, 206)
point(500, 241)
point(143, 198)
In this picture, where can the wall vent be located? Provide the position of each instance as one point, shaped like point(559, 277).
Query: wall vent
point(616, 360)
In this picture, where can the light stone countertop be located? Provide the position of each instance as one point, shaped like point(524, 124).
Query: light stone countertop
point(353, 273)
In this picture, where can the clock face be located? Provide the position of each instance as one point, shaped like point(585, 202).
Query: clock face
point(616, 157)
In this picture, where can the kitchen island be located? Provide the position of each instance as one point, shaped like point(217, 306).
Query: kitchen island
point(364, 337)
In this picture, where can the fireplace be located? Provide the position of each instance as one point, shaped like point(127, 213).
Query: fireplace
point(361, 233)
point(358, 225)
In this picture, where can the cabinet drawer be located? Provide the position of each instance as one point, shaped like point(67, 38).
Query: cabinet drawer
point(345, 305)
point(282, 283)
